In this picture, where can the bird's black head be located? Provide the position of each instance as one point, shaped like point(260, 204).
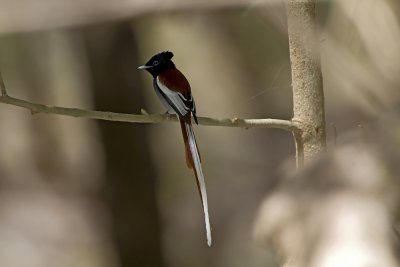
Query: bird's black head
point(159, 63)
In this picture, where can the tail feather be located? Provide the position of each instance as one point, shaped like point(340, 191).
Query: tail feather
point(189, 159)
point(193, 161)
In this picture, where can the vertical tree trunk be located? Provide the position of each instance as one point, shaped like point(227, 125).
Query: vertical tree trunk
point(308, 95)
point(130, 185)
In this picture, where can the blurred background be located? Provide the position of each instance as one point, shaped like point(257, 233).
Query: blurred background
point(77, 192)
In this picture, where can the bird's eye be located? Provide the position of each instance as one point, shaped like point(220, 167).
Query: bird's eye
point(155, 62)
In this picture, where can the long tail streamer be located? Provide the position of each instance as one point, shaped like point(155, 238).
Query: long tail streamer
point(195, 163)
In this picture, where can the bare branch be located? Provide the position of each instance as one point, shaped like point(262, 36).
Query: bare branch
point(147, 118)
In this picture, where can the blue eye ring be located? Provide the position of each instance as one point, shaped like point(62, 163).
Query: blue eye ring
point(155, 62)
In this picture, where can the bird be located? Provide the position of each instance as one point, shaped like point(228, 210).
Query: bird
point(174, 92)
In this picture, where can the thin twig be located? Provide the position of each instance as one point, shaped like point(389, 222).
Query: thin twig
point(148, 118)
point(334, 134)
point(299, 149)
point(2, 86)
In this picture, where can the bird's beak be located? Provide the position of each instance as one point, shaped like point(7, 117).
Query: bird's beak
point(143, 67)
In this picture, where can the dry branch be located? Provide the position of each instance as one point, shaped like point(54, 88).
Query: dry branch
point(148, 118)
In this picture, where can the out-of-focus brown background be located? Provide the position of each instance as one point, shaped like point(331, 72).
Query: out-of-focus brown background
point(77, 192)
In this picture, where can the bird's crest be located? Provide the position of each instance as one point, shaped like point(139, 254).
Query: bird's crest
point(167, 55)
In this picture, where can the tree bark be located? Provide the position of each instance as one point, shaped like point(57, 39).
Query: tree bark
point(308, 95)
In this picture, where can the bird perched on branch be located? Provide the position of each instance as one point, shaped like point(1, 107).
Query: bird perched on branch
point(174, 91)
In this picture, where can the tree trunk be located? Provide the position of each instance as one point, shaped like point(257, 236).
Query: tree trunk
point(308, 95)
point(130, 184)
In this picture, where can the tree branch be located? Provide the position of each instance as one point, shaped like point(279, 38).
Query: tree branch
point(286, 125)
point(76, 13)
